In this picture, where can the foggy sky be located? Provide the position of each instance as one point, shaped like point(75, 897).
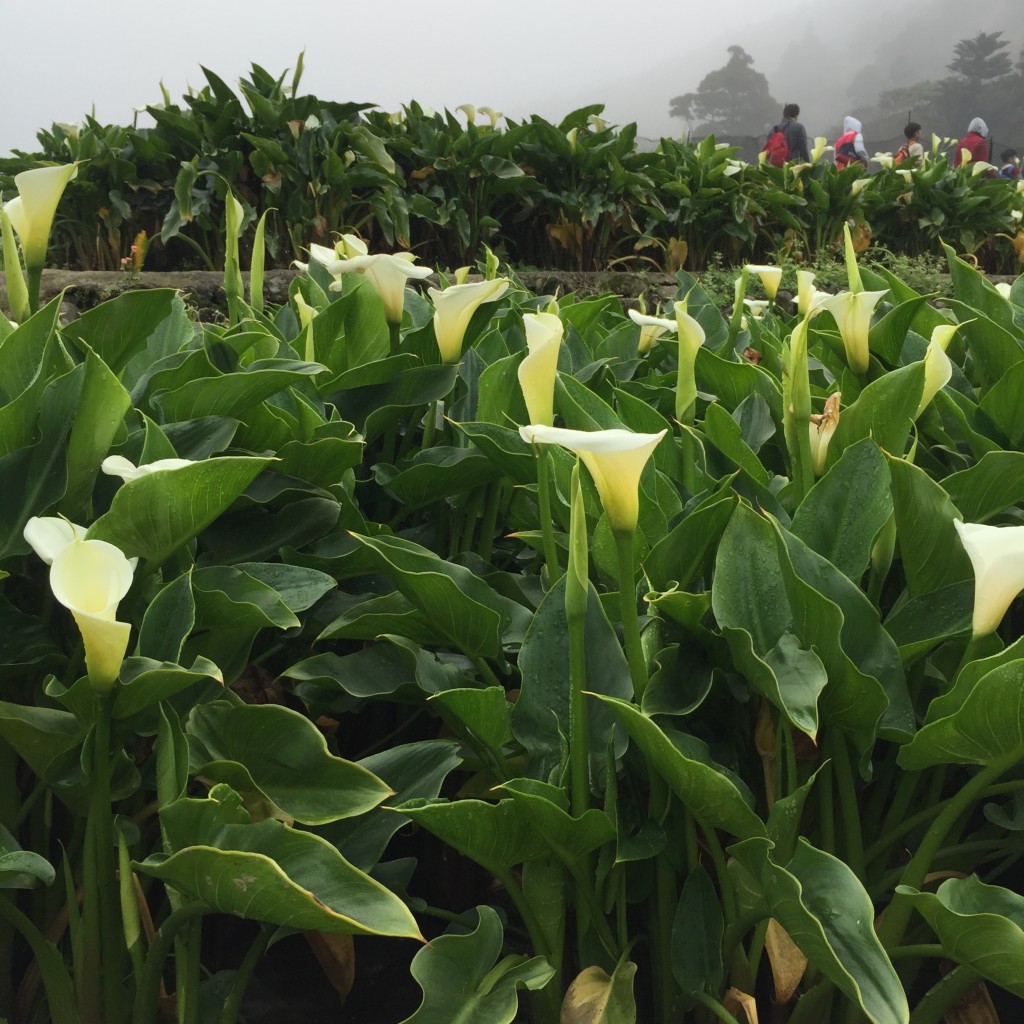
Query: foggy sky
point(531, 56)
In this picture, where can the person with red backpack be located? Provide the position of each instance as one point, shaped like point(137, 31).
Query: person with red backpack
point(850, 145)
point(787, 140)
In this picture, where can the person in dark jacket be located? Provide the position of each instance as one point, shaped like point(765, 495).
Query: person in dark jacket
point(974, 142)
point(795, 133)
point(1011, 164)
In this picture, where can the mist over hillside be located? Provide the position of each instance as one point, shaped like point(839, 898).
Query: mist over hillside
point(830, 67)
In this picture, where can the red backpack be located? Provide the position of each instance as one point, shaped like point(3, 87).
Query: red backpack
point(777, 147)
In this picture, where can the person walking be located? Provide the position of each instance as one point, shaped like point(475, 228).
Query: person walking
point(911, 151)
point(1011, 164)
point(850, 145)
point(796, 134)
point(973, 142)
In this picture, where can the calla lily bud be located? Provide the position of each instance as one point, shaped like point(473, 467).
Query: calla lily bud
point(90, 577)
point(822, 429)
point(804, 291)
point(388, 273)
point(906, 174)
point(577, 577)
point(462, 275)
point(305, 310)
point(319, 253)
point(756, 307)
point(17, 289)
point(32, 211)
point(454, 308)
point(538, 370)
point(859, 185)
point(997, 556)
point(490, 264)
point(820, 148)
point(852, 270)
point(691, 337)
point(651, 329)
point(1004, 289)
point(350, 245)
point(771, 278)
point(936, 144)
point(118, 465)
point(852, 312)
point(615, 459)
point(938, 369)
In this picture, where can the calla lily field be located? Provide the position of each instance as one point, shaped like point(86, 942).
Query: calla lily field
point(689, 640)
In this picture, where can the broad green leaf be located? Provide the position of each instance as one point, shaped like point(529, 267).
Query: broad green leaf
point(155, 514)
point(929, 547)
point(829, 915)
point(277, 758)
point(436, 474)
point(725, 434)
point(979, 925)
point(505, 448)
point(467, 613)
point(987, 728)
point(732, 382)
point(922, 622)
point(480, 716)
point(21, 869)
point(715, 798)
point(1003, 404)
point(169, 618)
point(697, 931)
point(595, 998)
point(145, 682)
point(540, 717)
point(122, 327)
point(884, 411)
point(270, 872)
point(841, 515)
point(993, 484)
point(463, 981)
point(687, 552)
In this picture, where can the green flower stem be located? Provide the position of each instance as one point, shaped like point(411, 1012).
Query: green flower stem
point(35, 280)
point(233, 1003)
point(489, 522)
point(60, 993)
point(544, 511)
point(932, 949)
point(897, 917)
point(579, 747)
point(129, 907)
point(104, 902)
point(849, 808)
point(826, 809)
point(714, 1006)
point(486, 672)
point(147, 995)
point(188, 972)
point(941, 996)
point(548, 1001)
point(394, 337)
point(725, 881)
point(628, 613)
point(429, 427)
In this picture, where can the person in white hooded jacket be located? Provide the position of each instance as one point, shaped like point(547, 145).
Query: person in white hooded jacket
point(973, 142)
point(850, 145)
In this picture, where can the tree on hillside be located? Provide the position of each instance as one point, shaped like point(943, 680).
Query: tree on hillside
point(980, 59)
point(732, 100)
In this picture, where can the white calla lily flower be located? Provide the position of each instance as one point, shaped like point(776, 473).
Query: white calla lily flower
point(492, 115)
point(982, 167)
point(884, 160)
point(537, 372)
point(31, 212)
point(820, 148)
point(1004, 289)
point(771, 278)
point(997, 556)
point(49, 535)
point(90, 577)
point(469, 110)
point(938, 367)
point(852, 312)
point(756, 307)
point(822, 428)
point(387, 272)
point(118, 465)
point(691, 337)
point(651, 329)
point(615, 459)
point(804, 291)
point(859, 185)
point(454, 308)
